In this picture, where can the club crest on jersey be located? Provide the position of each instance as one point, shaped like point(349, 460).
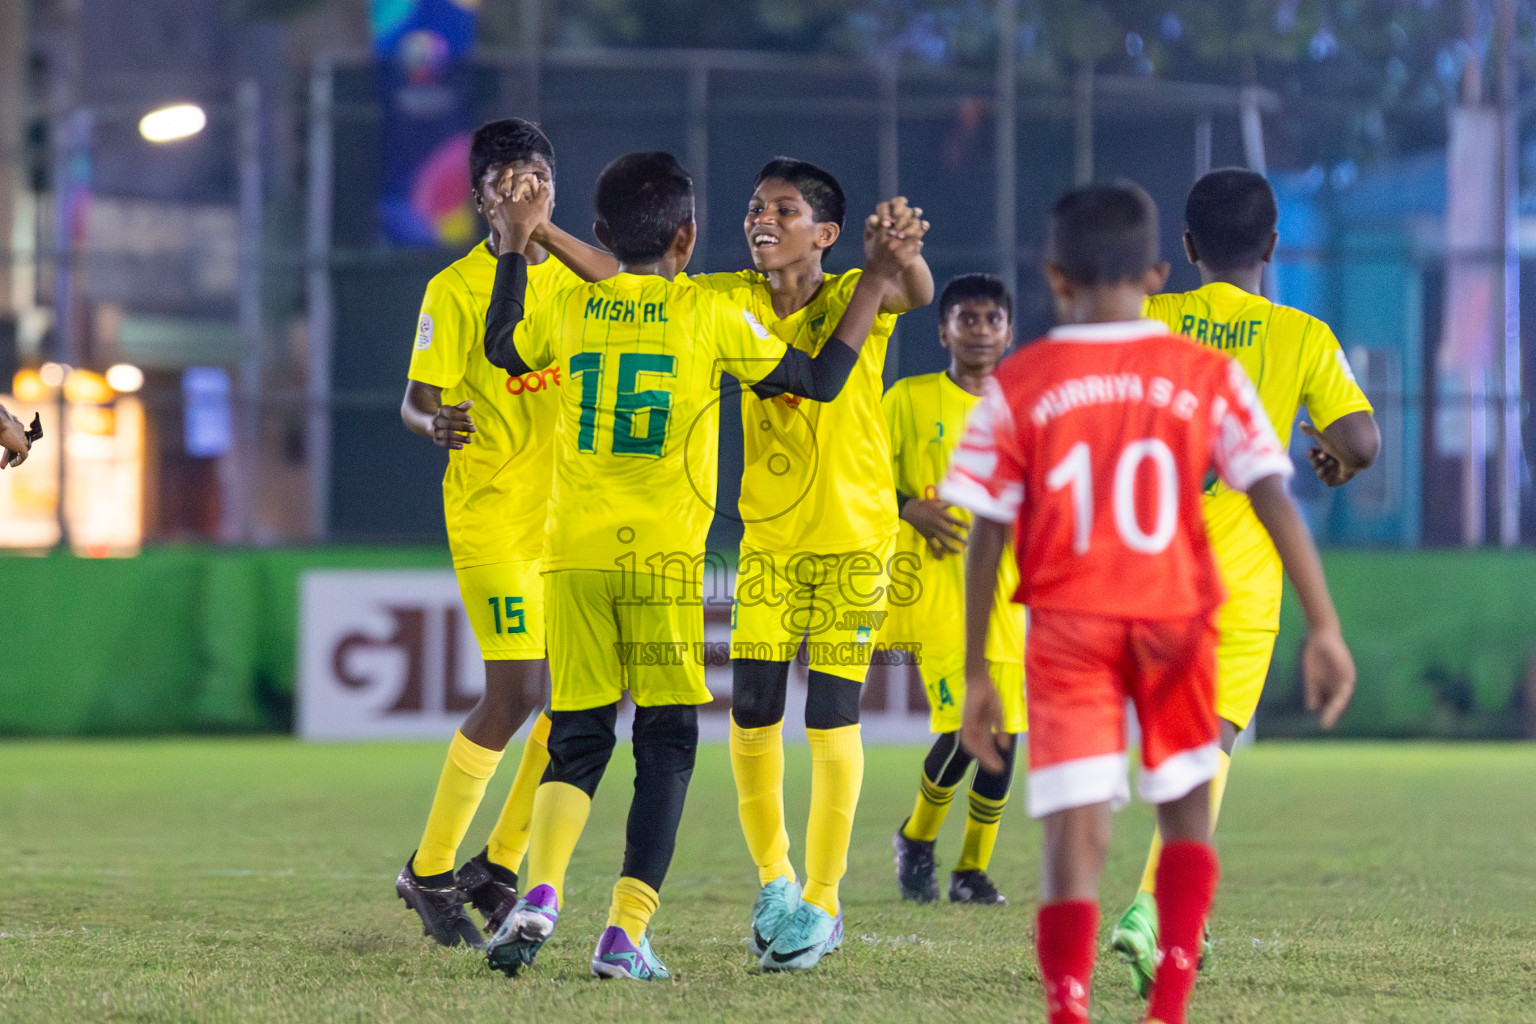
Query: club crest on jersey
point(424, 332)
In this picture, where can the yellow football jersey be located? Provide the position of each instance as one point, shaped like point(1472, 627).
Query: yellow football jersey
point(817, 474)
point(926, 416)
point(1293, 359)
point(496, 488)
point(637, 442)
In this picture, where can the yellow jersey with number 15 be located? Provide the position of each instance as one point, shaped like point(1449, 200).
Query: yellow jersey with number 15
point(817, 475)
point(496, 488)
point(637, 442)
point(926, 416)
point(1293, 359)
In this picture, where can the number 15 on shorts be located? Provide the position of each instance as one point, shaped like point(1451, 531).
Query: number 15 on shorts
point(509, 614)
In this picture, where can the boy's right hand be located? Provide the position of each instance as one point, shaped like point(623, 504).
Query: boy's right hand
point(893, 238)
point(451, 426)
point(1328, 675)
point(522, 206)
point(981, 723)
point(941, 528)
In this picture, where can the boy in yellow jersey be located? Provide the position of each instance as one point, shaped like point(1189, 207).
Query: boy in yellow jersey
point(635, 471)
point(926, 416)
point(498, 431)
point(819, 510)
point(1293, 359)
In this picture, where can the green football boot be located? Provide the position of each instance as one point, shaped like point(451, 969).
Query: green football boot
point(1134, 940)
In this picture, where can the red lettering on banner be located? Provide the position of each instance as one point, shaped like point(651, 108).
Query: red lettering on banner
point(454, 698)
point(409, 637)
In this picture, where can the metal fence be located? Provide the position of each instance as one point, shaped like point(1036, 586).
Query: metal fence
point(311, 313)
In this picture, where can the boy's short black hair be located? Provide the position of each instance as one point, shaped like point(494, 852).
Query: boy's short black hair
point(976, 288)
point(508, 141)
point(820, 189)
point(643, 199)
point(1231, 214)
point(1103, 234)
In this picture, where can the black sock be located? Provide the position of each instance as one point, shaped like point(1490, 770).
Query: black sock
point(666, 741)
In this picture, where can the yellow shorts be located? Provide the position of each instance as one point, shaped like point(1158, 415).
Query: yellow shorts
point(604, 640)
point(835, 602)
point(505, 602)
point(944, 682)
point(1242, 662)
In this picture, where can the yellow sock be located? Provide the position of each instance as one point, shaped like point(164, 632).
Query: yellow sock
point(633, 904)
point(980, 832)
point(559, 814)
point(1218, 792)
point(460, 789)
point(509, 837)
point(837, 775)
point(757, 760)
point(930, 810)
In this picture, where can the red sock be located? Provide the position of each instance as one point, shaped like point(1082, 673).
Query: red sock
point(1186, 884)
point(1066, 941)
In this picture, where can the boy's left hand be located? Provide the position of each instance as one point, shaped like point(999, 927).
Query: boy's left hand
point(1330, 469)
point(1328, 674)
point(981, 729)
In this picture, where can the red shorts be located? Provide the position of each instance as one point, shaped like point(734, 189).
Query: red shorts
point(1079, 672)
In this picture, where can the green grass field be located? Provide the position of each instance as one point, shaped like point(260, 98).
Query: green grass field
point(250, 880)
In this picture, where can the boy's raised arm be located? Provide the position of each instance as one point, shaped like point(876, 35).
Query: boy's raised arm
point(1328, 670)
point(514, 217)
point(914, 286)
point(587, 262)
point(821, 378)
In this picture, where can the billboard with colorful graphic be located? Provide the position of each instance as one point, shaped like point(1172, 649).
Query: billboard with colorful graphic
point(420, 49)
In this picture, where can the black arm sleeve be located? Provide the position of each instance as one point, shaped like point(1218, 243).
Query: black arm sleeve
point(505, 312)
point(820, 379)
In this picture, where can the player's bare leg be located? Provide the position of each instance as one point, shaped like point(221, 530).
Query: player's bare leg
point(1186, 885)
point(489, 878)
point(1067, 925)
point(514, 690)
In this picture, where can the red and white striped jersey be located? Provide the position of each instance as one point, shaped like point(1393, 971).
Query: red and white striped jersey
point(1095, 442)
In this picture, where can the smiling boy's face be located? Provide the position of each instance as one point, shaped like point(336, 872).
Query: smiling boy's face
point(781, 228)
point(976, 332)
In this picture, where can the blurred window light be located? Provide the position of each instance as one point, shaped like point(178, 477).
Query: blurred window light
point(52, 374)
point(83, 387)
point(28, 386)
point(208, 421)
point(1171, 27)
point(178, 121)
point(1134, 44)
point(1285, 16)
point(1324, 44)
point(125, 378)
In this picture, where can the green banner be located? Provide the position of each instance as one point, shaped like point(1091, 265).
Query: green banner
point(1443, 640)
point(174, 640)
point(189, 639)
